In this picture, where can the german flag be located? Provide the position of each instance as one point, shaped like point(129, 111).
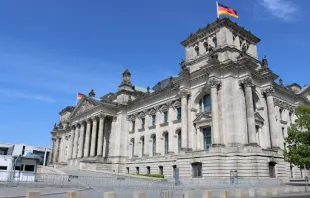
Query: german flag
point(80, 96)
point(221, 9)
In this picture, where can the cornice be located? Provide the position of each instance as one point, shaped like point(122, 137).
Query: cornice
point(214, 26)
point(284, 105)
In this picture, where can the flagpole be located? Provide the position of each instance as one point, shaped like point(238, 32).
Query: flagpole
point(217, 9)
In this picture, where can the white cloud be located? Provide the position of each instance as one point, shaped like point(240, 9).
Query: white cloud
point(22, 95)
point(282, 9)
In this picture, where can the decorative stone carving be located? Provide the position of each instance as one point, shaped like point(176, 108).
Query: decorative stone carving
point(248, 82)
point(214, 82)
point(91, 93)
point(183, 93)
point(152, 111)
point(177, 104)
point(141, 114)
point(269, 91)
point(84, 107)
point(264, 62)
point(164, 107)
point(283, 104)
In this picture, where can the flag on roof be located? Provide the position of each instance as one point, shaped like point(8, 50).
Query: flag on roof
point(80, 96)
point(222, 9)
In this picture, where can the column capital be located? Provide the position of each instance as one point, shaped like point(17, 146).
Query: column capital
point(184, 93)
point(95, 118)
point(214, 83)
point(248, 82)
point(269, 91)
point(102, 116)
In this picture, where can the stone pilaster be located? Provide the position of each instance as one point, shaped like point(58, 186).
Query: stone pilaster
point(100, 135)
point(93, 138)
point(250, 110)
point(81, 140)
point(56, 152)
point(214, 83)
point(52, 152)
point(199, 139)
point(272, 118)
point(87, 138)
point(71, 142)
point(184, 121)
point(75, 145)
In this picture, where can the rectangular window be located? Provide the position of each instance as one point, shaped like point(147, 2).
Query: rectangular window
point(154, 145)
point(19, 168)
point(179, 141)
point(166, 143)
point(196, 170)
point(207, 103)
point(153, 120)
point(283, 131)
point(148, 170)
point(143, 147)
point(179, 117)
point(137, 170)
point(3, 167)
point(200, 105)
point(133, 125)
point(142, 123)
point(207, 138)
point(29, 168)
point(161, 170)
point(166, 117)
point(280, 111)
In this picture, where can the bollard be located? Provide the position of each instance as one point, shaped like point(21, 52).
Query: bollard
point(287, 190)
point(263, 192)
point(252, 192)
point(275, 191)
point(239, 193)
point(224, 194)
point(207, 194)
point(109, 195)
point(166, 194)
point(33, 195)
point(74, 194)
point(188, 194)
point(139, 195)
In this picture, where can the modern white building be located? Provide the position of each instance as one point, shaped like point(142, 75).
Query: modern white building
point(18, 163)
point(223, 112)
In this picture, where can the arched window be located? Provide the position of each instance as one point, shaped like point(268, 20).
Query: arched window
point(206, 138)
point(214, 41)
point(205, 103)
point(197, 50)
point(206, 46)
point(179, 140)
point(142, 148)
point(166, 143)
point(154, 144)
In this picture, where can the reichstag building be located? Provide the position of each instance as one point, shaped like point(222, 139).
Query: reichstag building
point(223, 112)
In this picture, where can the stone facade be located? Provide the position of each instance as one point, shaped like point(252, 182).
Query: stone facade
point(222, 112)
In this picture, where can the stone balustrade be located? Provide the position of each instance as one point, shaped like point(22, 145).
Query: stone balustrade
point(237, 193)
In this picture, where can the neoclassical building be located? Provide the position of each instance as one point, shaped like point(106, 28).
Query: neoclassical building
point(223, 112)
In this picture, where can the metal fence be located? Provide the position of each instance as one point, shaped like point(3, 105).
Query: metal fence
point(133, 182)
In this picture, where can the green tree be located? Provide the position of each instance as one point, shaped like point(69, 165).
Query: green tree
point(298, 140)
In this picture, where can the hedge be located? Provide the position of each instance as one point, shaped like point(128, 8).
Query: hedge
point(152, 175)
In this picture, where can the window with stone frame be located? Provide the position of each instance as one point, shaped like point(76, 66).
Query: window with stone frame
point(133, 125)
point(281, 114)
point(206, 138)
point(153, 120)
point(179, 140)
point(166, 117)
point(142, 146)
point(205, 103)
point(161, 170)
point(197, 50)
point(133, 147)
point(142, 123)
point(137, 171)
point(272, 169)
point(290, 117)
point(214, 41)
point(166, 143)
point(196, 169)
point(148, 170)
point(154, 145)
point(179, 113)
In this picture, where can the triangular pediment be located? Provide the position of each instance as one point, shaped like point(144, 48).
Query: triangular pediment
point(203, 116)
point(84, 105)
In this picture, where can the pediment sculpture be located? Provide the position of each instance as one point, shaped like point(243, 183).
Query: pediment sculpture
point(84, 107)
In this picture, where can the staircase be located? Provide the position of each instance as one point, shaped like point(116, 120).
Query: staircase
point(104, 167)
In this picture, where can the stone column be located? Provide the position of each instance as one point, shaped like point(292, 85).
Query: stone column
point(106, 138)
point(93, 138)
point(87, 139)
point(75, 144)
point(272, 118)
point(171, 116)
point(184, 119)
point(56, 150)
point(214, 83)
point(250, 110)
point(100, 135)
point(259, 135)
point(71, 143)
point(81, 140)
point(52, 152)
point(198, 140)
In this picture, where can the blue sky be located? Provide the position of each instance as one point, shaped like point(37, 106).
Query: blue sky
point(50, 50)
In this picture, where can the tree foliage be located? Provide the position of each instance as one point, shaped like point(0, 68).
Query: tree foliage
point(298, 140)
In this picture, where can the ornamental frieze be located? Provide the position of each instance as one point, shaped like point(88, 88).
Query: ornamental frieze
point(283, 105)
